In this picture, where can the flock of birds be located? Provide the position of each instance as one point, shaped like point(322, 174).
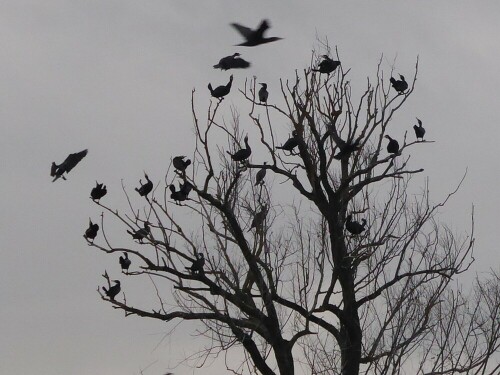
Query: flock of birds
point(252, 38)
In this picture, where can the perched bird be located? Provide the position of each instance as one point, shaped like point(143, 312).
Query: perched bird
point(197, 266)
point(181, 194)
point(145, 189)
point(392, 146)
point(125, 262)
point(291, 143)
point(254, 37)
point(232, 62)
point(91, 231)
point(243, 154)
point(113, 291)
point(354, 227)
point(98, 191)
point(419, 130)
point(142, 233)
point(221, 91)
point(263, 94)
point(180, 164)
point(259, 218)
point(259, 177)
point(346, 149)
point(327, 65)
point(399, 85)
point(67, 165)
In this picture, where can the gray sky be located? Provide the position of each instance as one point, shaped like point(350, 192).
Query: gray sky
point(116, 77)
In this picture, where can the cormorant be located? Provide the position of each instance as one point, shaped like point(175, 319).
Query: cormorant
point(263, 94)
point(142, 233)
point(98, 191)
point(197, 266)
point(243, 154)
point(392, 146)
point(221, 91)
point(354, 227)
point(125, 262)
point(259, 177)
point(327, 65)
point(399, 85)
point(291, 143)
point(145, 189)
point(346, 149)
point(419, 130)
point(181, 194)
point(113, 291)
point(259, 218)
point(254, 37)
point(232, 62)
point(67, 165)
point(91, 231)
point(180, 164)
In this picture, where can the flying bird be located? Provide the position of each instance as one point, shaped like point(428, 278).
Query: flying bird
point(291, 143)
point(327, 65)
point(419, 130)
point(142, 233)
point(392, 146)
point(197, 265)
point(145, 189)
point(125, 262)
point(98, 191)
point(354, 227)
point(242, 154)
point(263, 94)
point(399, 85)
point(254, 37)
point(232, 62)
point(221, 91)
point(259, 177)
point(91, 231)
point(113, 291)
point(67, 165)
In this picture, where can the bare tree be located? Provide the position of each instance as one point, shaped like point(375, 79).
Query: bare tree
point(328, 264)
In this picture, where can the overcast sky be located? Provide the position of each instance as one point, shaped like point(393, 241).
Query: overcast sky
point(116, 77)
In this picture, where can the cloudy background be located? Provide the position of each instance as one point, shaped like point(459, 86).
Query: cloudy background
point(116, 77)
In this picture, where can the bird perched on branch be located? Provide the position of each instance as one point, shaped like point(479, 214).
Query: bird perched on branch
point(232, 62)
point(221, 91)
point(327, 65)
point(145, 189)
point(419, 130)
point(180, 164)
point(259, 176)
point(142, 233)
point(125, 262)
point(197, 265)
point(346, 149)
point(98, 191)
point(354, 227)
point(392, 146)
point(254, 37)
point(263, 94)
point(242, 154)
point(91, 231)
point(181, 194)
point(291, 143)
point(67, 165)
point(258, 219)
point(399, 85)
point(113, 291)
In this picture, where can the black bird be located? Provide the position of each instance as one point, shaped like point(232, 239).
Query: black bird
point(181, 194)
point(98, 191)
point(392, 146)
point(232, 62)
point(354, 227)
point(221, 91)
point(254, 37)
point(419, 130)
point(399, 85)
point(327, 65)
point(91, 231)
point(291, 143)
point(263, 94)
point(145, 189)
point(259, 177)
point(243, 154)
point(180, 164)
point(346, 149)
point(259, 218)
point(125, 262)
point(142, 233)
point(197, 266)
point(113, 291)
point(67, 165)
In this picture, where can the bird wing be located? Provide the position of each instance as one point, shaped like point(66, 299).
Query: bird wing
point(264, 25)
point(72, 160)
point(243, 30)
point(239, 63)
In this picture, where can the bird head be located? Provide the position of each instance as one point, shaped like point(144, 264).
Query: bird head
point(388, 137)
point(172, 188)
point(117, 282)
point(264, 85)
point(419, 121)
point(231, 78)
point(236, 54)
point(402, 77)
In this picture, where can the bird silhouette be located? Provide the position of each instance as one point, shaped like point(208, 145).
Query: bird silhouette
point(113, 291)
point(346, 149)
point(254, 37)
point(221, 91)
point(180, 164)
point(259, 177)
point(142, 233)
point(327, 65)
point(181, 194)
point(243, 154)
point(91, 231)
point(259, 218)
point(67, 165)
point(145, 189)
point(392, 146)
point(98, 191)
point(419, 130)
point(354, 227)
point(232, 62)
point(291, 143)
point(197, 265)
point(125, 262)
point(399, 85)
point(263, 94)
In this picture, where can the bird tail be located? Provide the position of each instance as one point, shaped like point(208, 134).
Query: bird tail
point(136, 189)
point(210, 87)
point(232, 154)
point(105, 290)
point(217, 66)
point(129, 232)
